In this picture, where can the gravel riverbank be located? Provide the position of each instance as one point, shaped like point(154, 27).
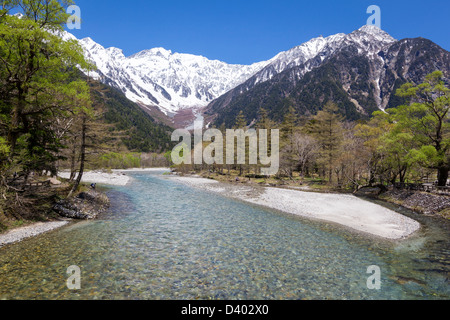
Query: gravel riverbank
point(343, 209)
point(19, 234)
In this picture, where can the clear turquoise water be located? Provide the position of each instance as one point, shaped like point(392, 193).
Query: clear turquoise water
point(165, 240)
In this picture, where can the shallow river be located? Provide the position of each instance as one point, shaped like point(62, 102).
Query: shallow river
point(165, 240)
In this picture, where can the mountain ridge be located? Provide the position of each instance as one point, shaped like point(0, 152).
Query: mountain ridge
point(171, 83)
point(112, 59)
point(360, 76)
point(161, 78)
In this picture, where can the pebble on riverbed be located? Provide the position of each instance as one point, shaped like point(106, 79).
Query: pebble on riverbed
point(85, 206)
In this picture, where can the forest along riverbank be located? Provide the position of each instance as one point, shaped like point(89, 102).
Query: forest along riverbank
point(343, 209)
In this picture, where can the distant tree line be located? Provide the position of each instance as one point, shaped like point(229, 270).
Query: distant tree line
point(408, 143)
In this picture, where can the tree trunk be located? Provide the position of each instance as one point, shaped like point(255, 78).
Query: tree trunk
point(82, 156)
point(442, 176)
point(402, 175)
point(371, 178)
point(72, 163)
point(13, 132)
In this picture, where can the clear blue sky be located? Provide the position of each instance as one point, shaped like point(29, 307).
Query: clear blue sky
point(247, 31)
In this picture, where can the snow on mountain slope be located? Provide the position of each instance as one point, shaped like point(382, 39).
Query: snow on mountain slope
point(175, 81)
point(296, 56)
point(170, 81)
point(368, 39)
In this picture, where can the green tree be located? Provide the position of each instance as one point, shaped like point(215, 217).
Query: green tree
point(288, 159)
point(372, 152)
point(37, 68)
point(326, 128)
point(289, 126)
point(426, 120)
point(395, 147)
point(241, 124)
point(265, 123)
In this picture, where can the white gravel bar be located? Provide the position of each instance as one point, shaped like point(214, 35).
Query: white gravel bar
point(99, 177)
point(116, 178)
point(19, 234)
point(343, 209)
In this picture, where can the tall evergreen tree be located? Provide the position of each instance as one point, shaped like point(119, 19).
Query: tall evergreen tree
point(241, 124)
point(287, 144)
point(326, 128)
point(289, 125)
point(266, 123)
point(241, 121)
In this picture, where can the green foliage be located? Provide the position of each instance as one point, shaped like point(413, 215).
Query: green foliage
point(426, 121)
point(326, 128)
point(168, 157)
point(4, 148)
point(50, 14)
point(241, 122)
point(264, 121)
point(115, 160)
point(289, 125)
point(426, 155)
point(36, 90)
point(407, 143)
point(48, 112)
point(411, 138)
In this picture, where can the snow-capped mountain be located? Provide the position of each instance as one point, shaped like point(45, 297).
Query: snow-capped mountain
point(163, 79)
point(297, 56)
point(176, 81)
point(368, 39)
point(359, 71)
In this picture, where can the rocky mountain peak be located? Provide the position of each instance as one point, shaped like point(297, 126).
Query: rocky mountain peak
point(171, 82)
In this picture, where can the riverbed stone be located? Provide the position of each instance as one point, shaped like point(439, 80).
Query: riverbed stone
point(369, 191)
point(85, 206)
point(54, 181)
